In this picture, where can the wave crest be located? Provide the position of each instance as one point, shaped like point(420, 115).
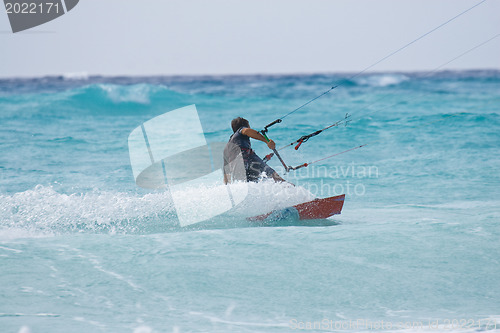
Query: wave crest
point(381, 80)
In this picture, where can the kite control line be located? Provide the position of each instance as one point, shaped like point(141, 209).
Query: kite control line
point(279, 120)
point(347, 119)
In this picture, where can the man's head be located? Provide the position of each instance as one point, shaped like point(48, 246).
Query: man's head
point(238, 123)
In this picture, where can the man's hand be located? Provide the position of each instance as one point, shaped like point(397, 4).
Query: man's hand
point(271, 144)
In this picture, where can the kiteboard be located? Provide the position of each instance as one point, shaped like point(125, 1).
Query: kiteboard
point(311, 210)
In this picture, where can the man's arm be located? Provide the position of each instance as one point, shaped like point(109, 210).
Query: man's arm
point(257, 136)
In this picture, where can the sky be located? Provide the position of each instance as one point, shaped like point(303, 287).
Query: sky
point(216, 37)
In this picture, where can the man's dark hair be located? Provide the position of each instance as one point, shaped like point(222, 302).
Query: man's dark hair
point(238, 123)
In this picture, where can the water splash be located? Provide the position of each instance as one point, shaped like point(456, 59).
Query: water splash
point(43, 211)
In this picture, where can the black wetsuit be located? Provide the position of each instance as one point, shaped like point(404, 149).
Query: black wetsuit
point(253, 164)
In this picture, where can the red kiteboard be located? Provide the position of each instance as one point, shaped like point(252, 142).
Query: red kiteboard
point(311, 210)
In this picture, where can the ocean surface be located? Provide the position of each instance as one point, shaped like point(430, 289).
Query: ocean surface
point(416, 248)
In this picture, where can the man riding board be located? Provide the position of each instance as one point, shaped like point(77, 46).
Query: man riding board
point(239, 143)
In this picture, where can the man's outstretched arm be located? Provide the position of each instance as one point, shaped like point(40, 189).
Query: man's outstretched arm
point(257, 136)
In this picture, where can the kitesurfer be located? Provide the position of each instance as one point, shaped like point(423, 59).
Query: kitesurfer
point(239, 143)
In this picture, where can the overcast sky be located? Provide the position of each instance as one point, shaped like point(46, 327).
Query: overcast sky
point(164, 37)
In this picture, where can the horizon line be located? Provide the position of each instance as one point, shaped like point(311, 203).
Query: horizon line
point(85, 75)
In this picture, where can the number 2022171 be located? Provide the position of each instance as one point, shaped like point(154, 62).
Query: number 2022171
point(32, 8)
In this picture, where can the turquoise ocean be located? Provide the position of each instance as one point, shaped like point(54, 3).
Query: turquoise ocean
point(416, 248)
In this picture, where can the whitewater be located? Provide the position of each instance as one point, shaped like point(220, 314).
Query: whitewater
point(84, 249)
